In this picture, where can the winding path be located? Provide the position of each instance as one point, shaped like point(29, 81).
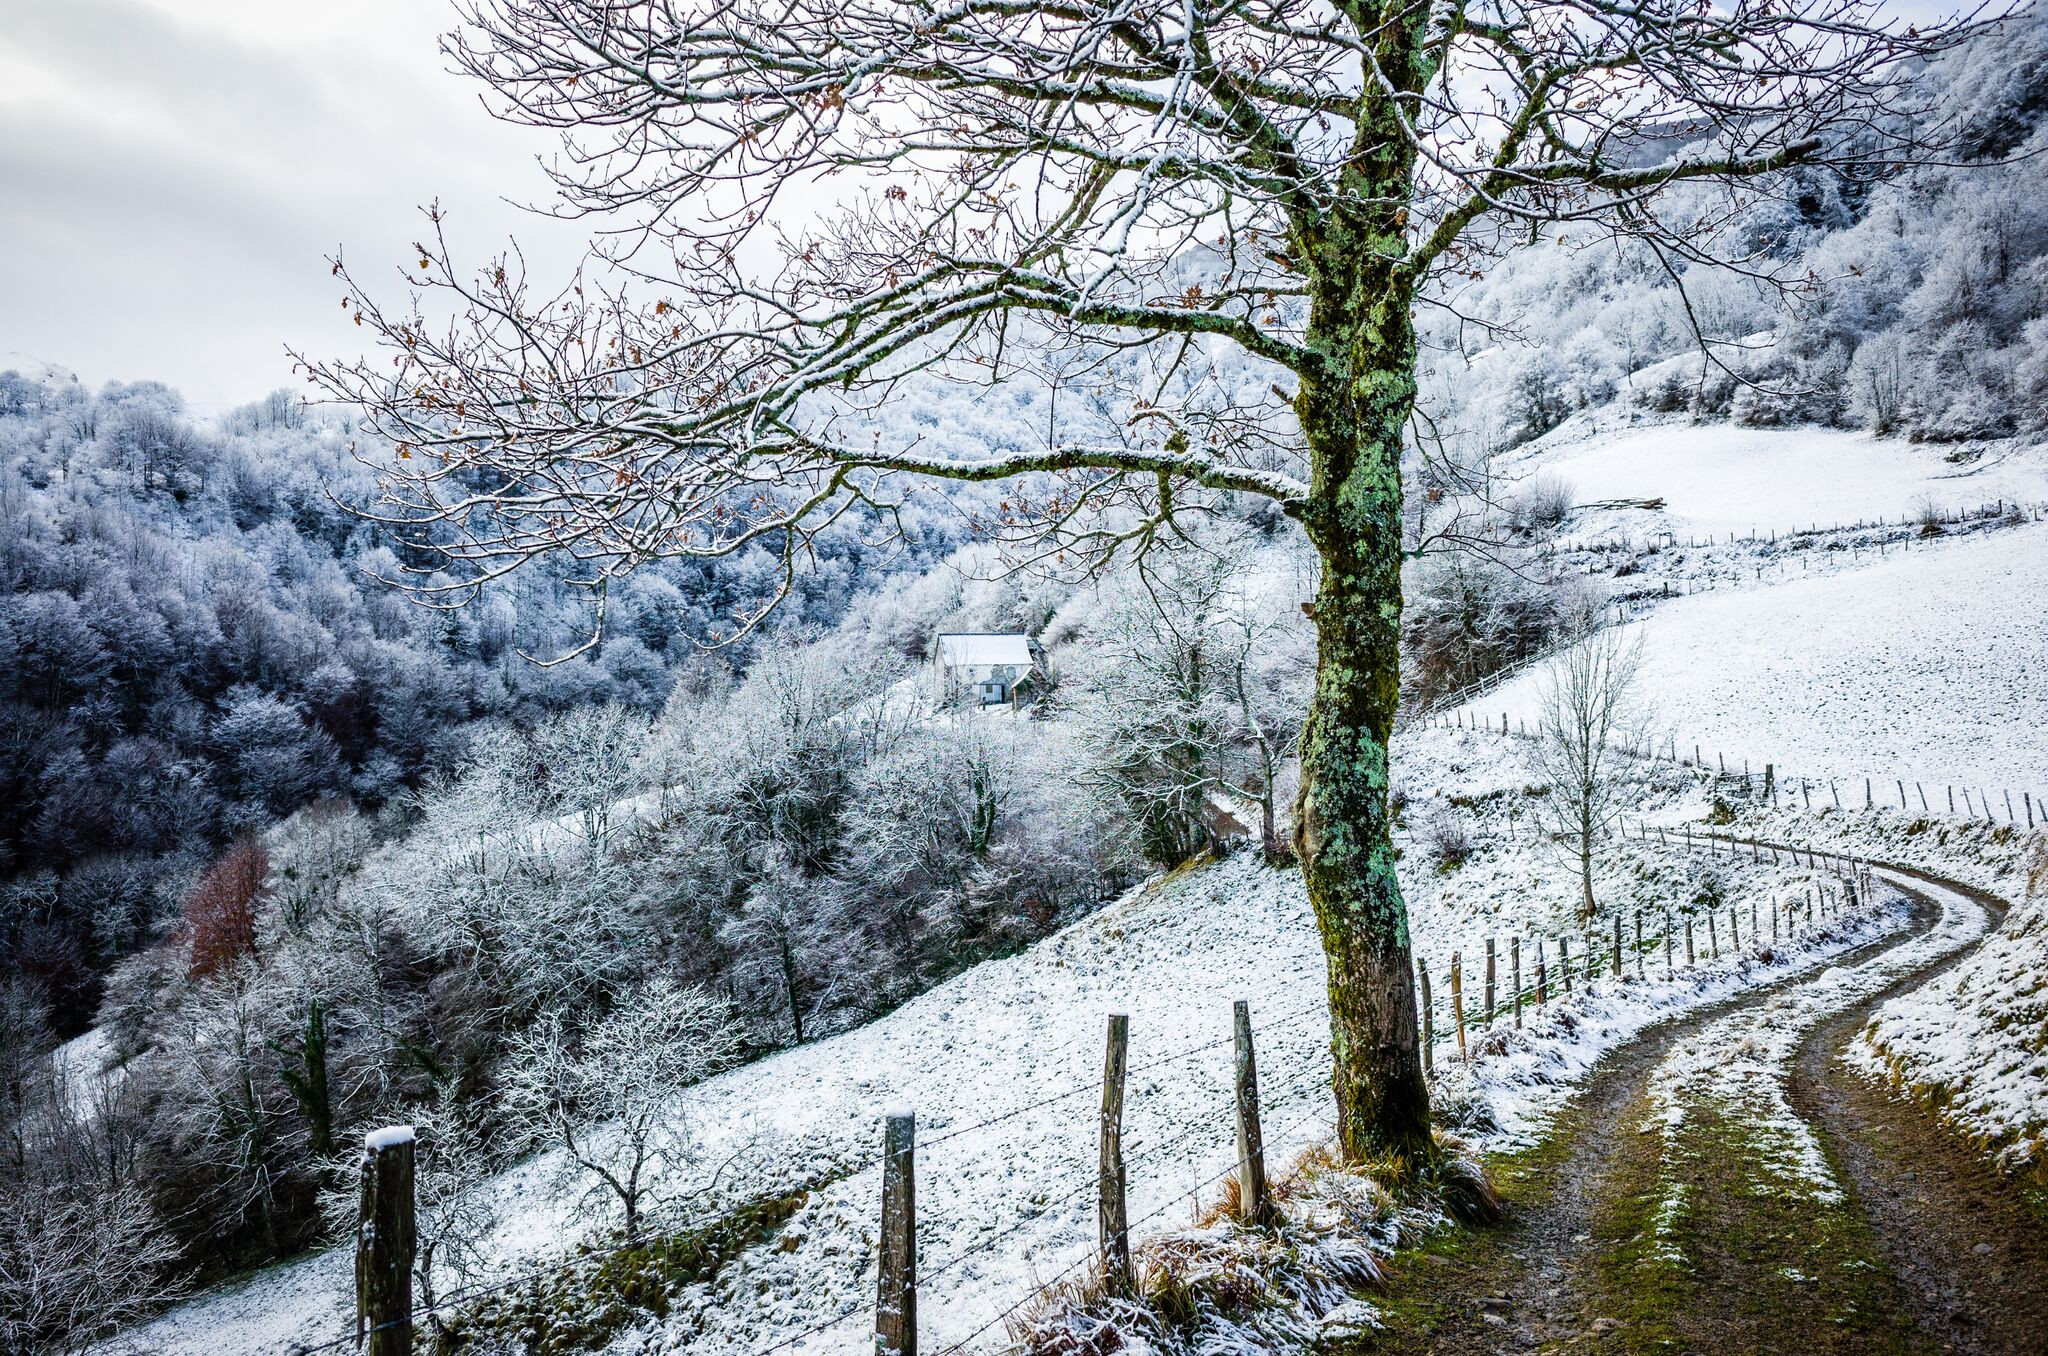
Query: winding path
point(1725, 1184)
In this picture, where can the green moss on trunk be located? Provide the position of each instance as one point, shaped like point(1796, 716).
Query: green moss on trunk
point(1354, 411)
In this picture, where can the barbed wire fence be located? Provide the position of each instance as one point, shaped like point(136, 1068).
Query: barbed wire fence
point(2026, 808)
point(387, 1319)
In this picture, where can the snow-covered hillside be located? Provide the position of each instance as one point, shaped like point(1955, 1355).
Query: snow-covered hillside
point(1718, 479)
point(1985, 1073)
point(1009, 1204)
point(1867, 667)
point(1922, 665)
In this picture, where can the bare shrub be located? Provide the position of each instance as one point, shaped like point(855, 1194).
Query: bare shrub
point(1449, 840)
point(1542, 504)
point(1928, 512)
point(1222, 1286)
point(1467, 618)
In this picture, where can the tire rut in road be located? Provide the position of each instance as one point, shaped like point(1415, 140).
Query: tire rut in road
point(1531, 1283)
point(1968, 1246)
point(1626, 1241)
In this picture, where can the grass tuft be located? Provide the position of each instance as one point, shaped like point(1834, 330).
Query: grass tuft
point(1296, 1282)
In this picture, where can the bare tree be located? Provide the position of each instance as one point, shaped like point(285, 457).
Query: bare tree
point(1190, 684)
point(83, 1250)
point(1592, 717)
point(603, 1095)
point(1219, 215)
point(78, 1265)
point(787, 936)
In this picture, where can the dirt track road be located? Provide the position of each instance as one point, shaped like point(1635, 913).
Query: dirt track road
point(1725, 1185)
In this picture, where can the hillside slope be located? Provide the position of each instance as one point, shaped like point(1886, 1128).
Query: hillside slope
point(1921, 665)
point(1718, 479)
point(1002, 1065)
point(1015, 1042)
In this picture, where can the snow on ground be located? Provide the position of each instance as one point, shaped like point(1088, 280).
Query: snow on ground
point(1718, 479)
point(1972, 1042)
point(1867, 670)
point(1925, 666)
point(1741, 1062)
point(1022, 1035)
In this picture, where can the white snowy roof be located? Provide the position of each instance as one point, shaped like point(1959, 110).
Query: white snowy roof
point(969, 649)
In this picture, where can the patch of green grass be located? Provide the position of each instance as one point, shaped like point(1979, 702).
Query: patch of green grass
point(1713, 1249)
point(582, 1305)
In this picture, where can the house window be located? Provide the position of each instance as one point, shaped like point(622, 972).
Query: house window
point(992, 694)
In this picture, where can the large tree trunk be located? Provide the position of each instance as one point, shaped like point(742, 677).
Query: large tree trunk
point(1354, 415)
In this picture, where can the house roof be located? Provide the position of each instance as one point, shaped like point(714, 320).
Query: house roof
point(966, 649)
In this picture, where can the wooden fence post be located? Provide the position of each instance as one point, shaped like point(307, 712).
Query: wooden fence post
point(1458, 1000)
point(1542, 975)
point(1251, 1144)
point(1428, 1017)
point(1489, 974)
point(1564, 962)
point(1688, 940)
point(1639, 943)
point(1515, 976)
point(1713, 937)
point(1668, 966)
point(896, 1285)
point(1112, 1218)
point(1617, 946)
point(386, 1233)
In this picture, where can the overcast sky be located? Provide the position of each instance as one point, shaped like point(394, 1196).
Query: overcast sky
point(174, 173)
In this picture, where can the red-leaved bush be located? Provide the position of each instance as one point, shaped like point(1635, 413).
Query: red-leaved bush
point(220, 913)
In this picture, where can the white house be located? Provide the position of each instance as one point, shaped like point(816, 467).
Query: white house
point(982, 668)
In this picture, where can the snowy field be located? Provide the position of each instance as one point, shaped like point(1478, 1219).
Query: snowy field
point(1718, 479)
point(1930, 666)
